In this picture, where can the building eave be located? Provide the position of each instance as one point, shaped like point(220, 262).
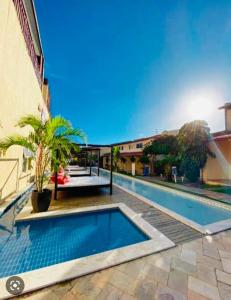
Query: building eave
point(37, 27)
point(32, 17)
point(222, 137)
point(137, 140)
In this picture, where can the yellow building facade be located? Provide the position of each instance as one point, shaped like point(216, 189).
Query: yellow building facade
point(22, 90)
point(218, 169)
point(130, 154)
point(132, 151)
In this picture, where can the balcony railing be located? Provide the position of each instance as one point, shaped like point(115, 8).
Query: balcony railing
point(37, 61)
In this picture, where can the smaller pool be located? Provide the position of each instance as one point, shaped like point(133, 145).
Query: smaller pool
point(39, 243)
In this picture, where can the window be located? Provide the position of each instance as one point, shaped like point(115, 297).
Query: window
point(139, 145)
point(27, 160)
point(24, 164)
point(30, 165)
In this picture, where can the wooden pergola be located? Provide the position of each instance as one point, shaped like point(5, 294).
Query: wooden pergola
point(90, 181)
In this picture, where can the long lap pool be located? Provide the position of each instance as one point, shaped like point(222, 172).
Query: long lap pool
point(184, 205)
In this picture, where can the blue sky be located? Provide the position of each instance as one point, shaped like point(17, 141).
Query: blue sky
point(125, 69)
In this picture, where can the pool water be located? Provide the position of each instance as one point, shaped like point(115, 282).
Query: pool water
point(34, 244)
point(201, 213)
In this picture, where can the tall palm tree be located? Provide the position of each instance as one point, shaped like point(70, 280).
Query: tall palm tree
point(193, 141)
point(46, 140)
point(116, 156)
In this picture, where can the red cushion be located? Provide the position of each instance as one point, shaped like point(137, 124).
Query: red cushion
point(60, 179)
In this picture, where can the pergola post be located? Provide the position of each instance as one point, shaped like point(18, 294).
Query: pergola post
point(98, 160)
point(111, 170)
point(90, 161)
point(85, 158)
point(56, 178)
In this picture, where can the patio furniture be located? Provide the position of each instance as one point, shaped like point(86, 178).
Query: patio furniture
point(83, 177)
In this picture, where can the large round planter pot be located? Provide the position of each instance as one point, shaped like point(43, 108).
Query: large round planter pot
point(41, 200)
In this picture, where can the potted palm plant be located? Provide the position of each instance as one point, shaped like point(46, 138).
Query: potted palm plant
point(46, 140)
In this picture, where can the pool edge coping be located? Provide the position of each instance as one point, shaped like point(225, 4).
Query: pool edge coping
point(40, 278)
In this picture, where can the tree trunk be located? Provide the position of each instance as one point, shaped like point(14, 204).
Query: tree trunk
point(152, 165)
point(201, 176)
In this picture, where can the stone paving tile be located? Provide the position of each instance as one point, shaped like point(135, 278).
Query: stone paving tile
point(225, 254)
point(219, 241)
point(203, 288)
point(206, 274)
point(178, 281)
point(226, 263)
point(183, 266)
point(223, 277)
point(161, 262)
point(69, 296)
point(173, 252)
point(84, 287)
point(210, 248)
point(195, 296)
point(227, 242)
point(209, 262)
point(62, 289)
point(225, 291)
point(46, 293)
point(133, 269)
point(93, 293)
point(165, 293)
point(121, 280)
point(109, 293)
point(127, 297)
point(100, 279)
point(188, 256)
point(157, 274)
point(144, 289)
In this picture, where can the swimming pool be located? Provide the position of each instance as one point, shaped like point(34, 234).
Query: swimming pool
point(55, 246)
point(198, 212)
point(39, 243)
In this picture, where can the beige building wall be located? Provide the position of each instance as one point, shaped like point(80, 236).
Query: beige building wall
point(219, 168)
point(20, 94)
point(127, 166)
point(228, 119)
point(131, 147)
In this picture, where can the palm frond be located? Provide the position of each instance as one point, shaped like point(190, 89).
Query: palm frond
point(46, 140)
point(16, 140)
point(32, 121)
point(71, 132)
point(56, 125)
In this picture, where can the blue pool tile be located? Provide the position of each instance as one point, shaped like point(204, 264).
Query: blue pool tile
point(39, 243)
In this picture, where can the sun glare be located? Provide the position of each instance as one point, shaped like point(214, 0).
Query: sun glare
point(200, 105)
point(200, 108)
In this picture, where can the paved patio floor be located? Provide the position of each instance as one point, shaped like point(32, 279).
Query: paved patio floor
point(196, 270)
